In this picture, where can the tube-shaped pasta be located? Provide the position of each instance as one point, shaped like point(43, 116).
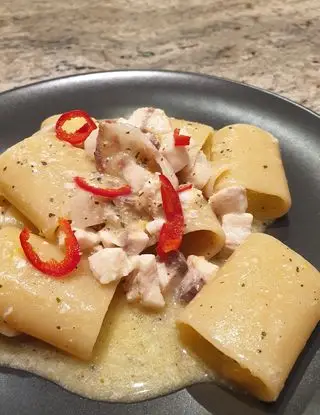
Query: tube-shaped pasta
point(253, 319)
point(37, 177)
point(251, 157)
point(66, 313)
point(201, 135)
point(203, 233)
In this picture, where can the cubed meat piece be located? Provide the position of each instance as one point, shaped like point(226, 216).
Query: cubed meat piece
point(90, 143)
point(110, 239)
point(86, 239)
point(172, 270)
point(199, 272)
point(137, 241)
point(237, 227)
point(110, 264)
point(199, 173)
point(150, 119)
point(143, 284)
point(150, 197)
point(232, 199)
point(178, 157)
point(86, 210)
point(136, 176)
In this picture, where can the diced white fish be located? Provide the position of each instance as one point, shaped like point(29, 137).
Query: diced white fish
point(90, 143)
point(110, 264)
point(8, 331)
point(143, 284)
point(178, 157)
point(200, 271)
point(86, 239)
point(135, 175)
point(150, 197)
point(114, 138)
point(237, 227)
point(86, 210)
point(172, 270)
point(154, 227)
point(198, 174)
point(113, 238)
point(150, 119)
point(137, 241)
point(231, 199)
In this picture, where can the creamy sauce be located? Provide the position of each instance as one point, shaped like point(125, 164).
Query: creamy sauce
point(138, 356)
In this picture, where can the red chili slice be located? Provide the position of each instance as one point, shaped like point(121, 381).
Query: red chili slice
point(52, 267)
point(172, 231)
point(184, 187)
point(180, 140)
point(79, 136)
point(98, 191)
point(170, 237)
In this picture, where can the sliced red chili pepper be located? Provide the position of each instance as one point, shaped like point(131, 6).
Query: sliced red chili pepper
point(98, 191)
point(79, 136)
point(184, 187)
point(172, 231)
point(52, 267)
point(180, 140)
point(170, 237)
point(170, 199)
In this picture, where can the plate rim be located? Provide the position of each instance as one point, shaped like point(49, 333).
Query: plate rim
point(154, 72)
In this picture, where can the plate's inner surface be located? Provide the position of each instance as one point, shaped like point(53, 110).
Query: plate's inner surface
point(215, 102)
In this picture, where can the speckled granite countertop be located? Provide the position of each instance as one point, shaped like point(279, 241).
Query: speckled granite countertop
point(274, 45)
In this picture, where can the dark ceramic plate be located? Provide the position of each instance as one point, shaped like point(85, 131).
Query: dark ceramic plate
point(212, 101)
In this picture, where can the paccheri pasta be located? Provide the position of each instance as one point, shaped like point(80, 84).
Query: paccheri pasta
point(142, 222)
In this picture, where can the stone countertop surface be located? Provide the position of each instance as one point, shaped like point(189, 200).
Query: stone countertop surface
point(274, 45)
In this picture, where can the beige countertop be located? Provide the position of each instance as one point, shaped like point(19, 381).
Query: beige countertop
point(274, 44)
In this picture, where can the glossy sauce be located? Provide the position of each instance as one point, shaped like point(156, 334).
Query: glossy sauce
point(138, 355)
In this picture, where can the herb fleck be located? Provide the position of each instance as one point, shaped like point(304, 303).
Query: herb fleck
point(301, 285)
point(58, 327)
point(259, 351)
point(101, 380)
point(12, 187)
point(51, 199)
point(265, 166)
point(51, 215)
point(298, 269)
point(5, 168)
point(1, 286)
point(263, 334)
point(243, 284)
point(58, 300)
point(44, 163)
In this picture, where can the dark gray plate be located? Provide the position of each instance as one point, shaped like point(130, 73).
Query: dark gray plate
point(216, 102)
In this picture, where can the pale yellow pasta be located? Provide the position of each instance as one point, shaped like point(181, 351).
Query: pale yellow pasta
point(250, 156)
point(10, 216)
point(66, 313)
point(37, 177)
point(203, 233)
point(255, 315)
point(201, 135)
point(50, 121)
